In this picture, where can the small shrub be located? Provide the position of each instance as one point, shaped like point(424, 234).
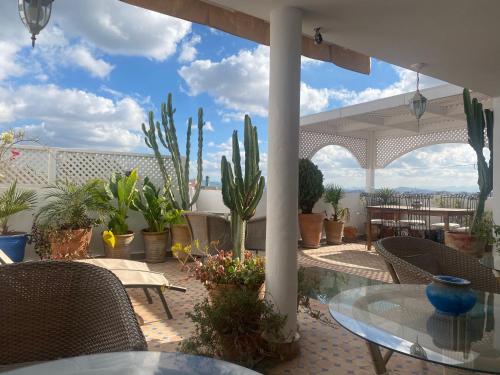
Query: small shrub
point(310, 185)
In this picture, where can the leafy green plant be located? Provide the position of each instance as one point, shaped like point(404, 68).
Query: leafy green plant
point(174, 217)
point(333, 195)
point(154, 206)
point(168, 138)
point(310, 185)
point(386, 195)
point(231, 327)
point(121, 188)
point(479, 120)
point(13, 201)
point(242, 194)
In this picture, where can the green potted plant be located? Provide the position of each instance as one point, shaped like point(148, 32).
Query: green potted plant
point(473, 241)
point(334, 226)
point(155, 208)
point(310, 191)
point(122, 190)
point(63, 226)
point(12, 202)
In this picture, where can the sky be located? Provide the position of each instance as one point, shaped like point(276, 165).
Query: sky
point(100, 66)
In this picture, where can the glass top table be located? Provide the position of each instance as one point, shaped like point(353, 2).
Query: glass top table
point(134, 363)
point(400, 318)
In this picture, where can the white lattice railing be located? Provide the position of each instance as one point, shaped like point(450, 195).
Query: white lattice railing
point(39, 166)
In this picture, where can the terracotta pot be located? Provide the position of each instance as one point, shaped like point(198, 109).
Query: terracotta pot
point(122, 246)
point(155, 246)
point(350, 233)
point(311, 228)
point(465, 243)
point(180, 234)
point(334, 232)
point(70, 244)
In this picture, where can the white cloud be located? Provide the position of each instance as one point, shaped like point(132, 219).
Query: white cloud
point(188, 50)
point(81, 56)
point(71, 117)
point(208, 126)
point(9, 64)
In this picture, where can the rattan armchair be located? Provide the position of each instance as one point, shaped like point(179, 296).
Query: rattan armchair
point(209, 229)
point(57, 309)
point(414, 261)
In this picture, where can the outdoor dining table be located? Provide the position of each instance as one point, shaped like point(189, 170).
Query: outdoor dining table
point(399, 317)
point(134, 363)
point(397, 211)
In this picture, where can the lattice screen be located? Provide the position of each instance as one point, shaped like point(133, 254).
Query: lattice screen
point(312, 142)
point(34, 166)
point(389, 149)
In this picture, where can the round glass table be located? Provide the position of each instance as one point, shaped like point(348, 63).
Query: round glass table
point(400, 318)
point(134, 363)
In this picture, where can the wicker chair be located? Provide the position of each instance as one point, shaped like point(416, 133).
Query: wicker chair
point(414, 261)
point(208, 228)
point(57, 309)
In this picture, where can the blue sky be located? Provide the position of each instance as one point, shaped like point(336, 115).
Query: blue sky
point(101, 65)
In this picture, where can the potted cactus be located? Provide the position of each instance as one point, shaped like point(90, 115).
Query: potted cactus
point(310, 191)
point(118, 237)
point(334, 226)
point(12, 202)
point(166, 135)
point(473, 241)
point(242, 193)
point(156, 209)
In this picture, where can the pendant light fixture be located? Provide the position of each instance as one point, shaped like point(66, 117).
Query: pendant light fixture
point(35, 15)
point(418, 104)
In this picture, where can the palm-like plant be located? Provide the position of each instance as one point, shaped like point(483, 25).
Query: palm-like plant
point(73, 206)
point(13, 201)
point(123, 189)
point(154, 205)
point(333, 195)
point(386, 195)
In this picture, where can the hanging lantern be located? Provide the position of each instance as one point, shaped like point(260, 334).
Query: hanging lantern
point(418, 104)
point(35, 15)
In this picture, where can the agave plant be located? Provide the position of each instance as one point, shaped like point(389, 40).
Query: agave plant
point(14, 201)
point(333, 195)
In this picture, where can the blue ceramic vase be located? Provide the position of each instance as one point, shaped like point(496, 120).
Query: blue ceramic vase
point(451, 295)
point(13, 245)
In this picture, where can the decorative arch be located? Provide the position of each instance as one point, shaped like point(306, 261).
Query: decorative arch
point(312, 142)
point(391, 148)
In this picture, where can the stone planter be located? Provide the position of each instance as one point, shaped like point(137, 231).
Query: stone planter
point(155, 246)
point(70, 244)
point(311, 228)
point(122, 246)
point(465, 243)
point(334, 232)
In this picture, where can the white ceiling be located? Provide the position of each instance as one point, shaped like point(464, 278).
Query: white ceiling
point(459, 40)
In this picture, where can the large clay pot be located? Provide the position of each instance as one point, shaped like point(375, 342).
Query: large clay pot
point(155, 246)
point(122, 246)
point(70, 243)
point(180, 234)
point(311, 228)
point(465, 243)
point(350, 233)
point(334, 232)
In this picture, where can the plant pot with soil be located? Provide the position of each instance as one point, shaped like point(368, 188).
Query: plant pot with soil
point(156, 209)
point(14, 201)
point(62, 229)
point(310, 191)
point(334, 226)
point(121, 190)
point(466, 243)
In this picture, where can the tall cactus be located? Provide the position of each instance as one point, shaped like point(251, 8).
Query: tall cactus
point(242, 194)
point(477, 120)
point(168, 138)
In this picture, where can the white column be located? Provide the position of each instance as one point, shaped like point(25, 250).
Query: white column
point(496, 160)
point(371, 156)
point(282, 170)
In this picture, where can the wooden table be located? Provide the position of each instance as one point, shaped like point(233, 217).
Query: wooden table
point(397, 211)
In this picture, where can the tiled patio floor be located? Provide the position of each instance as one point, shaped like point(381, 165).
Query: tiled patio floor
point(324, 350)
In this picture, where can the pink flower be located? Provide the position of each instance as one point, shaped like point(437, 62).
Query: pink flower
point(14, 154)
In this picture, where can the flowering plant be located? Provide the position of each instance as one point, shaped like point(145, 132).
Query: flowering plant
point(222, 267)
point(7, 153)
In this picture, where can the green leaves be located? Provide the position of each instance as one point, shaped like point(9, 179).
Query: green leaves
point(333, 195)
point(123, 189)
point(310, 185)
point(14, 201)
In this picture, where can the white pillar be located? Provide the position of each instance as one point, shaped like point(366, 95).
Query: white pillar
point(371, 161)
point(283, 157)
point(496, 160)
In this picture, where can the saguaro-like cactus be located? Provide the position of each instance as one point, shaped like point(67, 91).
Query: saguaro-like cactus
point(477, 121)
point(241, 194)
point(168, 138)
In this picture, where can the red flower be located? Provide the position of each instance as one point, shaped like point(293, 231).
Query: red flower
point(14, 154)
